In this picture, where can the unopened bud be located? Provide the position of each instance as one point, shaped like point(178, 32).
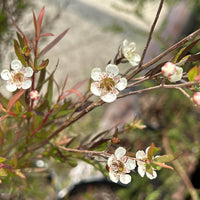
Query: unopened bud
point(196, 98)
point(168, 69)
point(34, 94)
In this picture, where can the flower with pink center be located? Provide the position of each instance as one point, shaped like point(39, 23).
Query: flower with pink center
point(128, 50)
point(107, 84)
point(172, 72)
point(119, 166)
point(142, 164)
point(34, 94)
point(196, 98)
point(18, 77)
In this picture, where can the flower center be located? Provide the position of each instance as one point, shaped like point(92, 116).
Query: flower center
point(107, 84)
point(18, 77)
point(118, 166)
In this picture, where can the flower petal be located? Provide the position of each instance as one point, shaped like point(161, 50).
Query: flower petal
point(125, 43)
point(177, 75)
point(28, 72)
point(150, 176)
point(125, 178)
point(110, 160)
point(11, 87)
point(112, 70)
point(141, 170)
point(26, 84)
point(16, 64)
point(121, 85)
point(96, 74)
point(135, 59)
point(5, 74)
point(120, 152)
point(114, 177)
point(140, 154)
point(130, 164)
point(94, 89)
point(110, 97)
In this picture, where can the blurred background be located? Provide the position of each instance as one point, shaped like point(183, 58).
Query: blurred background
point(97, 29)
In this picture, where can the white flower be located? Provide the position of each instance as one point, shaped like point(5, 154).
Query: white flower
point(34, 94)
point(172, 72)
point(142, 164)
point(168, 69)
point(177, 76)
point(107, 84)
point(129, 53)
point(119, 165)
point(18, 78)
point(196, 98)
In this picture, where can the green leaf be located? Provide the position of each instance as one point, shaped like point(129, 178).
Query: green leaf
point(41, 79)
point(43, 64)
point(18, 53)
point(3, 101)
point(178, 55)
point(152, 151)
point(3, 172)
point(18, 107)
point(149, 169)
point(20, 40)
point(192, 73)
point(49, 93)
point(63, 113)
point(2, 159)
point(37, 120)
point(167, 158)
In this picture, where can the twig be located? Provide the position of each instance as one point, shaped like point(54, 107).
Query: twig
point(159, 86)
point(180, 170)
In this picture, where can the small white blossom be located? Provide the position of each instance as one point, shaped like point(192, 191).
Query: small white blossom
point(177, 76)
point(129, 53)
point(18, 77)
point(34, 94)
point(196, 98)
point(168, 69)
point(142, 164)
point(119, 165)
point(107, 84)
point(172, 72)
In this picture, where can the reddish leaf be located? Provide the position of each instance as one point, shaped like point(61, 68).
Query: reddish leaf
point(19, 30)
point(187, 49)
point(150, 151)
point(69, 91)
point(15, 98)
point(35, 23)
point(53, 43)
point(43, 64)
point(194, 57)
point(43, 35)
point(39, 20)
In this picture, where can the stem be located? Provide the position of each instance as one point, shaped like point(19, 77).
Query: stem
point(157, 58)
point(180, 170)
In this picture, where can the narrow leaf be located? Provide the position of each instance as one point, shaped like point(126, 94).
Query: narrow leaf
point(15, 98)
point(162, 165)
point(44, 35)
point(2, 159)
point(192, 73)
point(167, 158)
point(193, 58)
point(49, 93)
point(39, 20)
point(18, 52)
point(3, 172)
point(43, 64)
point(41, 79)
point(53, 43)
point(20, 40)
point(19, 30)
point(35, 23)
point(176, 59)
point(150, 151)
point(187, 49)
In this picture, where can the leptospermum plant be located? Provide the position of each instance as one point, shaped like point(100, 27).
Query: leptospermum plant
point(32, 124)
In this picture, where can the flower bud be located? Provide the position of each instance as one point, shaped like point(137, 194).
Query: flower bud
point(196, 98)
point(34, 94)
point(168, 69)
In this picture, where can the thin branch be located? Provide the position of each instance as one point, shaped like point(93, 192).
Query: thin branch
point(160, 56)
point(159, 86)
point(180, 170)
point(151, 32)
